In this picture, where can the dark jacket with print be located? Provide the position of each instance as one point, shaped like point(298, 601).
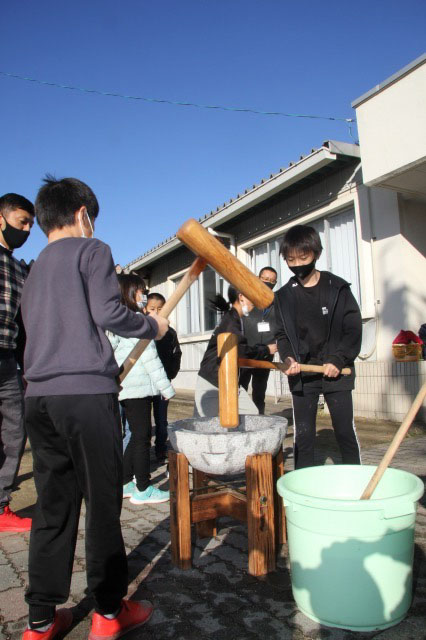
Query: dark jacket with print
point(230, 323)
point(344, 331)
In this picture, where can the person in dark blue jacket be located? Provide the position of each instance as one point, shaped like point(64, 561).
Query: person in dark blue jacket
point(318, 321)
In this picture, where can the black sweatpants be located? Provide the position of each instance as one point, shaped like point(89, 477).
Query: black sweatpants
point(77, 451)
point(136, 456)
point(305, 405)
point(259, 382)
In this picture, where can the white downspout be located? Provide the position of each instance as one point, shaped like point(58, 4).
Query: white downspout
point(222, 234)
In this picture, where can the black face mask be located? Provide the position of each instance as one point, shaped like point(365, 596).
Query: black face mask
point(14, 237)
point(303, 270)
point(269, 284)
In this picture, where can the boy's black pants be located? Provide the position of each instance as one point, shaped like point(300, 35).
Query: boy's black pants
point(77, 451)
point(305, 405)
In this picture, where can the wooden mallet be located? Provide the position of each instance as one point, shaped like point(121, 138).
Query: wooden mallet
point(227, 351)
point(203, 244)
point(265, 364)
point(190, 276)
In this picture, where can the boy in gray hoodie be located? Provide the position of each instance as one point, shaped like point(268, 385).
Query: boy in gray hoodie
point(72, 418)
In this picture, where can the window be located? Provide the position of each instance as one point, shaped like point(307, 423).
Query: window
point(340, 256)
point(194, 316)
point(188, 310)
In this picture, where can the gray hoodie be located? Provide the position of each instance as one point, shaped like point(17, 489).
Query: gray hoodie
point(70, 299)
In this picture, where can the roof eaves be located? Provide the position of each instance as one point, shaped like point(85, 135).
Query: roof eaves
point(393, 78)
point(286, 176)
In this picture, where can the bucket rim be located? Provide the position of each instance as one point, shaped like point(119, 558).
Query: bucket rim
point(334, 504)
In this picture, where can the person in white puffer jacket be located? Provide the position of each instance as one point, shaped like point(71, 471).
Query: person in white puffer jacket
point(146, 379)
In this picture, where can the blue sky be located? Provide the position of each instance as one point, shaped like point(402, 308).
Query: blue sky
point(151, 165)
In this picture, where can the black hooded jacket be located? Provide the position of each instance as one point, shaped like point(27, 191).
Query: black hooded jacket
point(230, 323)
point(344, 331)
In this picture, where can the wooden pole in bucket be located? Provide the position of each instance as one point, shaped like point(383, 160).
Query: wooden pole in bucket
point(394, 445)
point(227, 349)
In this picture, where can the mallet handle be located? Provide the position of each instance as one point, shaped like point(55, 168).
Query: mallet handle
point(227, 351)
point(203, 244)
point(265, 364)
point(190, 276)
point(394, 445)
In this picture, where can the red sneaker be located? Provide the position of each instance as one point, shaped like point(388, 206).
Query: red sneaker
point(10, 522)
point(133, 614)
point(62, 622)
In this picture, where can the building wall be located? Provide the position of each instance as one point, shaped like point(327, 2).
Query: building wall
point(391, 251)
point(390, 126)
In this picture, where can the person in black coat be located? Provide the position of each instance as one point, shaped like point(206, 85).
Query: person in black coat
point(318, 321)
point(258, 329)
point(170, 354)
point(206, 390)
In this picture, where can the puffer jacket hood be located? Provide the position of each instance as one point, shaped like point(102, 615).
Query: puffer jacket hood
point(147, 377)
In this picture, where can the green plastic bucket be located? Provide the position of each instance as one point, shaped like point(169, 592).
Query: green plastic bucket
point(351, 560)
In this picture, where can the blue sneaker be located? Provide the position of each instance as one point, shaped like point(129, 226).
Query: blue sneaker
point(151, 495)
point(128, 489)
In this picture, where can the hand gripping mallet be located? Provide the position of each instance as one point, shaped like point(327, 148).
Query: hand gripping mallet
point(190, 276)
point(306, 368)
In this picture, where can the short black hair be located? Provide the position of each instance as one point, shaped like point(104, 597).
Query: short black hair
point(12, 201)
point(268, 269)
point(156, 296)
point(58, 200)
point(301, 238)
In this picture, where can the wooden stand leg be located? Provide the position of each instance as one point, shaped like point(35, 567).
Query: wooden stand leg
point(207, 528)
point(260, 514)
point(280, 530)
point(180, 511)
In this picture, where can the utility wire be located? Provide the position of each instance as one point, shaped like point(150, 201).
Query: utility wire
point(173, 102)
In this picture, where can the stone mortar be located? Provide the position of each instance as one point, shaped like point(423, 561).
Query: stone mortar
point(220, 451)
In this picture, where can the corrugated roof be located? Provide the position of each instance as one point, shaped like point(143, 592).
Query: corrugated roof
point(333, 146)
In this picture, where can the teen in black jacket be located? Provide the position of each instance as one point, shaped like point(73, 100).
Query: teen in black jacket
point(317, 322)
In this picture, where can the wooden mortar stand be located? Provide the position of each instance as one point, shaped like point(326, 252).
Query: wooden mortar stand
point(260, 505)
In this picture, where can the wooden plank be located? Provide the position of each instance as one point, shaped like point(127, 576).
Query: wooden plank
point(280, 528)
point(205, 528)
point(227, 351)
point(209, 505)
point(260, 514)
point(180, 513)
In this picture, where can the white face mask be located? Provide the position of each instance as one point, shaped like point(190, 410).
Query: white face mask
point(83, 235)
point(245, 310)
point(142, 303)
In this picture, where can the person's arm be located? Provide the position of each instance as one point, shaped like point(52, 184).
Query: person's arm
point(350, 343)
point(104, 298)
point(285, 350)
point(283, 343)
point(252, 351)
point(154, 368)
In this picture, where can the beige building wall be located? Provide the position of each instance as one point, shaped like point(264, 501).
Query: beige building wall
point(391, 126)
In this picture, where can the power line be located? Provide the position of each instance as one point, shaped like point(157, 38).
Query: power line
point(173, 102)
